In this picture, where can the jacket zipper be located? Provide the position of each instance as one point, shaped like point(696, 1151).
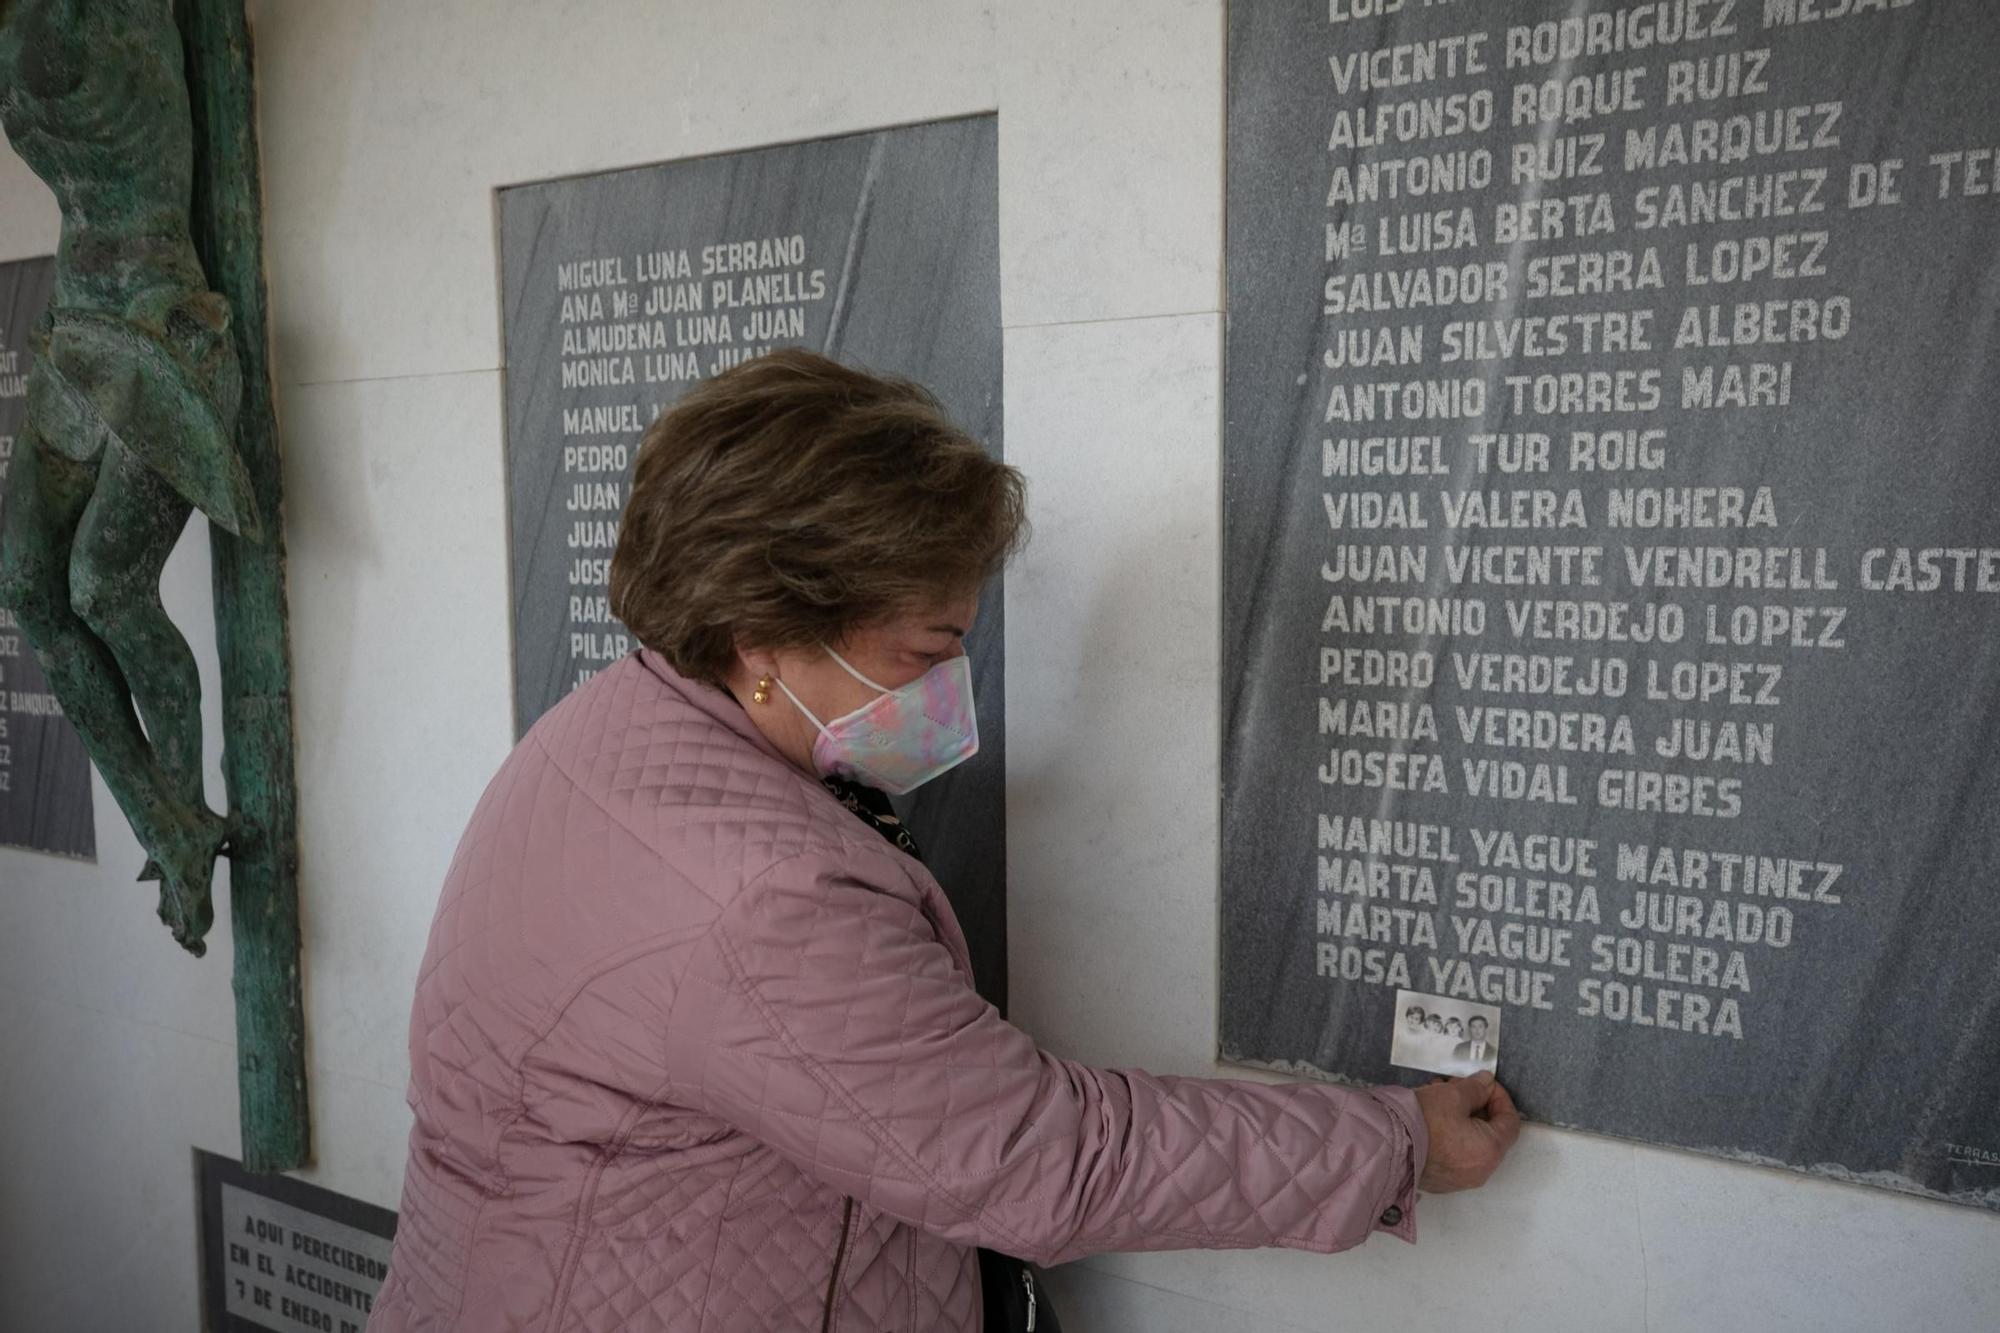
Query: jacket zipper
point(839, 1258)
point(1028, 1281)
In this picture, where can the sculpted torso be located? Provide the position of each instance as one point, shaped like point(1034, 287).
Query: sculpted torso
point(81, 90)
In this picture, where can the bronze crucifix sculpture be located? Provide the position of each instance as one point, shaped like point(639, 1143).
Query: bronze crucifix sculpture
point(149, 400)
point(131, 415)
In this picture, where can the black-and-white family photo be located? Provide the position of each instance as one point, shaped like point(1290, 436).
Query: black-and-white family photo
point(1443, 1035)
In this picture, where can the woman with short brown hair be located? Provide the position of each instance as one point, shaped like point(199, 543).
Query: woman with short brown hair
point(695, 1045)
point(792, 501)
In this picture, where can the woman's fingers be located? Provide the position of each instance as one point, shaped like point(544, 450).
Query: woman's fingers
point(1501, 1115)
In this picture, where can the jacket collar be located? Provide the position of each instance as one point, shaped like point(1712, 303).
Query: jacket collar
point(712, 701)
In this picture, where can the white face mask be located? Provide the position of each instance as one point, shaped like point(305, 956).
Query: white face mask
point(904, 737)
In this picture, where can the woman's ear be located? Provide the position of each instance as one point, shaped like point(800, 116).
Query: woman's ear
point(752, 661)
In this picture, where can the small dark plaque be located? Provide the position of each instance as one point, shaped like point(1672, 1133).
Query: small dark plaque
point(622, 290)
point(281, 1255)
point(1612, 566)
point(44, 773)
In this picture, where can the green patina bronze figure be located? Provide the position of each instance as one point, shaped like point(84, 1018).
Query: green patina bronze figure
point(150, 400)
point(131, 416)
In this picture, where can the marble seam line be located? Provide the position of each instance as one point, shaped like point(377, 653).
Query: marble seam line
point(410, 375)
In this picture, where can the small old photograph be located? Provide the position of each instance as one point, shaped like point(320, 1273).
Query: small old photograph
point(1445, 1036)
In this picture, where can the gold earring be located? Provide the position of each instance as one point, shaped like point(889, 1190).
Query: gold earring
point(763, 692)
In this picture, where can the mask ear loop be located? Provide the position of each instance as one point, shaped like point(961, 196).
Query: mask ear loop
point(880, 689)
point(845, 666)
point(801, 707)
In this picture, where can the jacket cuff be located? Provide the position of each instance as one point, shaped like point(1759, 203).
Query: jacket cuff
point(1397, 1214)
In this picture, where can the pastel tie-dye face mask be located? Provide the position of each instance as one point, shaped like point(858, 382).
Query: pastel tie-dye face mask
point(902, 738)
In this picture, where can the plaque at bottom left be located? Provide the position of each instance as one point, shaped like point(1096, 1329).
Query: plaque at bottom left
point(282, 1256)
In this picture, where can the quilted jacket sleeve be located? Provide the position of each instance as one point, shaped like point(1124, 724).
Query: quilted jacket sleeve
point(824, 1017)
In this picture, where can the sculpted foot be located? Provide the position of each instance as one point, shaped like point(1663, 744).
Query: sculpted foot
point(186, 902)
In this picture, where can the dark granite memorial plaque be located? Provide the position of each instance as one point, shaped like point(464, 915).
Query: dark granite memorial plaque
point(280, 1255)
point(621, 290)
point(44, 772)
point(1612, 566)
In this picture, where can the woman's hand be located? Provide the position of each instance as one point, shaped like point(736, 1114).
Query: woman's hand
point(1472, 1123)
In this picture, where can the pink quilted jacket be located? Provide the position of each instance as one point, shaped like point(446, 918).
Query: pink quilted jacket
point(694, 1049)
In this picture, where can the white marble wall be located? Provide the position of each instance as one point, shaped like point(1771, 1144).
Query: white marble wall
point(28, 216)
point(386, 128)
